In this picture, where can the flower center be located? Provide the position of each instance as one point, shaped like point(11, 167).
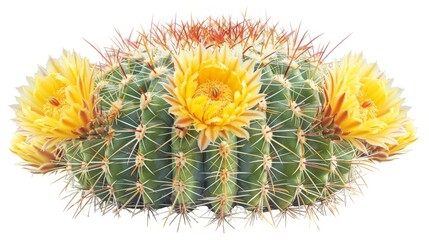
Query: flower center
point(216, 91)
point(56, 103)
point(368, 110)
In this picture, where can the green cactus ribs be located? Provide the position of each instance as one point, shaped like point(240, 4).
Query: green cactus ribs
point(147, 160)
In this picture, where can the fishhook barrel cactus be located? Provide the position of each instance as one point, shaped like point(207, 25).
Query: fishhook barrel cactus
point(214, 113)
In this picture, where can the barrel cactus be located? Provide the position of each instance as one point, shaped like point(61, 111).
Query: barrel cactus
point(229, 115)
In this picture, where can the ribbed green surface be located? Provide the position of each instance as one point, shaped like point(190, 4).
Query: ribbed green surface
point(145, 162)
point(220, 167)
point(254, 173)
point(186, 166)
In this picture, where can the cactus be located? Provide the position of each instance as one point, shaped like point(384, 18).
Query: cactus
point(213, 113)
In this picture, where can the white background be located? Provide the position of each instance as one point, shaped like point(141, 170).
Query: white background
point(395, 203)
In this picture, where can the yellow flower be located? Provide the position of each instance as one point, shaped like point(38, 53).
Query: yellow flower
point(362, 104)
point(37, 160)
point(404, 140)
point(58, 102)
point(213, 90)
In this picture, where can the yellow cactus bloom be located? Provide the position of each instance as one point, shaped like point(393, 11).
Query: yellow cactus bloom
point(404, 140)
point(58, 102)
point(361, 103)
point(37, 160)
point(213, 90)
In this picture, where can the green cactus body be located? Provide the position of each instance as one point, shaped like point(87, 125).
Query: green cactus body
point(315, 171)
point(255, 177)
point(122, 144)
point(144, 161)
point(221, 181)
point(187, 165)
point(154, 164)
point(340, 170)
point(93, 152)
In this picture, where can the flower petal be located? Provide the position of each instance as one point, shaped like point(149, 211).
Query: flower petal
point(203, 141)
